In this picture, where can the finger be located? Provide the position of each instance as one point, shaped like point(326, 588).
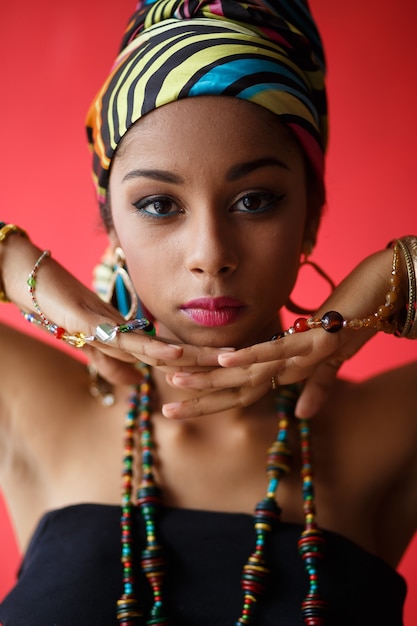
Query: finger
point(317, 388)
point(279, 349)
point(137, 344)
point(98, 348)
point(215, 402)
point(287, 371)
point(160, 351)
point(190, 356)
point(222, 378)
point(170, 371)
point(298, 350)
point(115, 371)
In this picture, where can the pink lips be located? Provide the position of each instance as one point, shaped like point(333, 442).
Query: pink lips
point(213, 311)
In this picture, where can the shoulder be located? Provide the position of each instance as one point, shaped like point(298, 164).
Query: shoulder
point(388, 401)
point(371, 429)
point(378, 398)
point(27, 361)
point(34, 376)
point(380, 412)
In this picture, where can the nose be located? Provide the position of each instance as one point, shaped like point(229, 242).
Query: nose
point(211, 249)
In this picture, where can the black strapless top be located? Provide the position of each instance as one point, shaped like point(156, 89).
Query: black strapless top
point(71, 574)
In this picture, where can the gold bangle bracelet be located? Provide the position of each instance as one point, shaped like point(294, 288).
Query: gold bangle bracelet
point(5, 231)
point(408, 246)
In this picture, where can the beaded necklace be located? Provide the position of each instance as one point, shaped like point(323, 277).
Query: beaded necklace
point(266, 517)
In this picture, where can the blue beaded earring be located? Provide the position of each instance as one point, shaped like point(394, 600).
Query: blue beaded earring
point(112, 283)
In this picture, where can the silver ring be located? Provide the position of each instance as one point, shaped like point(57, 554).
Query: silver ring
point(107, 332)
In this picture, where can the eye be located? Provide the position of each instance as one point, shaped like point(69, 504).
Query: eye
point(157, 206)
point(257, 202)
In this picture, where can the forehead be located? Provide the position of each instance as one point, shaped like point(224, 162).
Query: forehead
point(208, 120)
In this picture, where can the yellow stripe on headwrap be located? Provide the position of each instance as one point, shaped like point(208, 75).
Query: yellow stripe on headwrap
point(266, 53)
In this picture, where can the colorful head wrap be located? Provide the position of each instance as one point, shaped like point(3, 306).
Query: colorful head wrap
point(269, 53)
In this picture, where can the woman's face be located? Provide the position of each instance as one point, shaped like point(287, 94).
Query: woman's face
point(209, 203)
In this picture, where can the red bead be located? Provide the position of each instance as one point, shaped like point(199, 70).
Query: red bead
point(59, 332)
point(301, 325)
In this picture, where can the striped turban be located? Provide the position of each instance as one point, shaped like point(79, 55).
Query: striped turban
point(269, 53)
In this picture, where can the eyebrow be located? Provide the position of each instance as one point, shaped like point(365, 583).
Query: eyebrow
point(235, 172)
point(242, 169)
point(159, 175)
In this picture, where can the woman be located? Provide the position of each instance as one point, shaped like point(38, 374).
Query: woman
point(212, 221)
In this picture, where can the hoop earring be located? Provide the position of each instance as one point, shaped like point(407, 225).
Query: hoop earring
point(113, 284)
point(299, 310)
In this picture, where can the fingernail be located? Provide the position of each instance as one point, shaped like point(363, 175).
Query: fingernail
point(221, 358)
point(169, 408)
point(227, 349)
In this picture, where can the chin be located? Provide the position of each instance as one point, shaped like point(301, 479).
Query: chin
point(217, 337)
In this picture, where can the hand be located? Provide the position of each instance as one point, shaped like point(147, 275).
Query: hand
point(246, 375)
point(117, 365)
point(69, 304)
point(314, 356)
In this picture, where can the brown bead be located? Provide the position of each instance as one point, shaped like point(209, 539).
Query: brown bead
point(332, 321)
point(391, 297)
point(395, 280)
point(356, 323)
point(384, 311)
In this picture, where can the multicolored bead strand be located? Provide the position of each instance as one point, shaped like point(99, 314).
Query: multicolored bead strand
point(32, 282)
point(77, 340)
point(149, 500)
point(311, 542)
point(266, 517)
point(267, 513)
point(128, 613)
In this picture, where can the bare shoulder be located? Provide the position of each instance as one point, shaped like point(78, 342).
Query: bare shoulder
point(379, 413)
point(389, 395)
point(21, 352)
point(33, 373)
point(370, 427)
point(48, 421)
point(383, 416)
point(391, 398)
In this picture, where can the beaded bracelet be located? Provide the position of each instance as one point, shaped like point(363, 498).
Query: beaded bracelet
point(104, 332)
point(408, 247)
point(5, 231)
point(32, 283)
point(77, 340)
point(332, 321)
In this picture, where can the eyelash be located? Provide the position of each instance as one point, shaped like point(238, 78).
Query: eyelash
point(271, 200)
point(142, 205)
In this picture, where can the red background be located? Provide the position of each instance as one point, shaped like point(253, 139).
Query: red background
point(54, 57)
